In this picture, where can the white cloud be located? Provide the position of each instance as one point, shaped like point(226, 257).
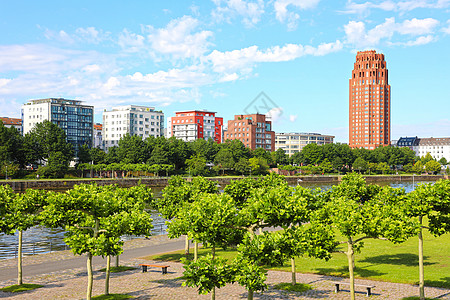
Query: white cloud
point(91, 68)
point(179, 40)
point(284, 15)
point(447, 29)
point(397, 6)
point(229, 77)
point(87, 35)
point(292, 118)
point(358, 36)
point(4, 81)
point(247, 57)
point(275, 114)
point(131, 42)
point(421, 40)
point(250, 12)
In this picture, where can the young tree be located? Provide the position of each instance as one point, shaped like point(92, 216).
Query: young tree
point(359, 211)
point(197, 165)
point(258, 165)
point(224, 159)
point(360, 164)
point(242, 166)
point(94, 218)
point(432, 202)
point(433, 167)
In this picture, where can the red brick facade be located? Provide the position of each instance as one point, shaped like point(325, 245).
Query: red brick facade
point(369, 102)
point(196, 124)
point(254, 131)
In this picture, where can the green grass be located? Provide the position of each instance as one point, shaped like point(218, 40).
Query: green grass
point(20, 288)
point(113, 297)
point(416, 298)
point(176, 256)
point(298, 287)
point(378, 260)
point(118, 269)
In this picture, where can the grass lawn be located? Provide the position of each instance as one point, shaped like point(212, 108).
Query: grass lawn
point(118, 269)
point(20, 288)
point(378, 260)
point(113, 297)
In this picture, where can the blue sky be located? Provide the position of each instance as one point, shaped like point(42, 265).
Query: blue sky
point(219, 55)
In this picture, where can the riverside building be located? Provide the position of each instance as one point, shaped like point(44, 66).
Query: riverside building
point(75, 118)
point(12, 122)
point(254, 131)
point(369, 102)
point(195, 124)
point(137, 120)
point(294, 142)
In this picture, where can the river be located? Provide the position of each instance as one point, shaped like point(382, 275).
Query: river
point(41, 240)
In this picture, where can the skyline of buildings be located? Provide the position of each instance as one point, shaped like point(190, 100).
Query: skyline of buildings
point(369, 102)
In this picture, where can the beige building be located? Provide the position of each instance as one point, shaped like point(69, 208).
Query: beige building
point(294, 142)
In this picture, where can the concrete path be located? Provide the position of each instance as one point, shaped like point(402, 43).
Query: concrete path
point(9, 273)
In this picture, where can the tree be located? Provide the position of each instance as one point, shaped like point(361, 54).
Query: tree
point(93, 218)
point(132, 149)
point(97, 155)
point(326, 166)
point(84, 155)
point(56, 167)
point(338, 164)
point(382, 167)
point(359, 211)
point(433, 167)
point(280, 157)
point(242, 166)
point(418, 167)
point(312, 154)
point(11, 146)
point(224, 159)
point(426, 158)
point(360, 164)
point(443, 161)
point(197, 165)
point(258, 165)
point(432, 202)
point(44, 140)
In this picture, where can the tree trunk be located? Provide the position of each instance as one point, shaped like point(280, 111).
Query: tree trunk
point(294, 279)
point(108, 272)
point(250, 295)
point(421, 270)
point(90, 277)
point(117, 261)
point(350, 253)
point(186, 245)
point(213, 291)
point(19, 259)
point(195, 250)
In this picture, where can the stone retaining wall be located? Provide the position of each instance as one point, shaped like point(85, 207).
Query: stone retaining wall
point(62, 184)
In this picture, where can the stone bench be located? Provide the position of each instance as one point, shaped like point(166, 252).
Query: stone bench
point(367, 287)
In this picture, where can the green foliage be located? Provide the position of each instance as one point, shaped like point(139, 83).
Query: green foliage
point(206, 273)
point(326, 166)
point(443, 161)
point(298, 287)
point(258, 165)
point(84, 155)
point(11, 146)
point(426, 158)
point(360, 164)
point(418, 167)
point(224, 159)
point(57, 166)
point(197, 165)
point(249, 275)
point(280, 157)
point(17, 288)
point(432, 166)
point(9, 168)
point(242, 166)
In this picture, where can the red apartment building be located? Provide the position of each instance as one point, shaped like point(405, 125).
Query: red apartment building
point(369, 102)
point(254, 131)
point(195, 124)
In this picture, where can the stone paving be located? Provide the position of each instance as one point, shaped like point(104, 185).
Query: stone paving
point(71, 284)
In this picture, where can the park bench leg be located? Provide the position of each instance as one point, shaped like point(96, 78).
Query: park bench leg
point(369, 291)
point(336, 287)
point(164, 270)
point(144, 269)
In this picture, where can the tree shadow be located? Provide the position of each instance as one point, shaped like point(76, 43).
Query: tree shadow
point(442, 283)
point(343, 272)
point(405, 259)
point(273, 293)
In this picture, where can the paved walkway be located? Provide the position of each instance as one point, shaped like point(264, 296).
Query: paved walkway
point(65, 278)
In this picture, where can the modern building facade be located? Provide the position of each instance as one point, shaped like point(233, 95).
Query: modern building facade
point(12, 122)
point(254, 131)
point(369, 102)
point(137, 120)
point(98, 140)
point(75, 118)
point(294, 142)
point(437, 147)
point(195, 124)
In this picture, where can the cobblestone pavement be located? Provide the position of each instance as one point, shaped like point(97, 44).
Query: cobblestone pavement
point(71, 283)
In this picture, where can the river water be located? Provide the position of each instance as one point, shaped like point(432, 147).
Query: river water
point(41, 240)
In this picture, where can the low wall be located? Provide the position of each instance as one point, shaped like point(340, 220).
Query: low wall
point(20, 186)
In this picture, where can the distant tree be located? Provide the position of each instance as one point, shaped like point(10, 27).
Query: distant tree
point(84, 155)
point(443, 161)
point(111, 156)
point(360, 164)
point(97, 155)
point(158, 156)
point(382, 167)
point(57, 166)
point(264, 154)
point(46, 139)
point(433, 166)
point(242, 166)
point(426, 158)
point(224, 160)
point(11, 146)
point(326, 166)
point(280, 157)
point(338, 164)
point(197, 165)
point(418, 167)
point(312, 154)
point(258, 165)
point(132, 150)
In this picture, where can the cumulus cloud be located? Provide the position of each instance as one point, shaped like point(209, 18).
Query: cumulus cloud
point(250, 12)
point(285, 16)
point(447, 29)
point(131, 42)
point(397, 6)
point(179, 40)
point(358, 36)
point(247, 57)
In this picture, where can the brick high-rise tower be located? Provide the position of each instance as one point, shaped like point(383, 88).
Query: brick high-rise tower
point(369, 102)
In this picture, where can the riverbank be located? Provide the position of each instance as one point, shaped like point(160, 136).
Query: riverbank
point(64, 184)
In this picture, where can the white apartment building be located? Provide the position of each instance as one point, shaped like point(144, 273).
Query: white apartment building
point(98, 132)
point(142, 121)
point(294, 142)
point(437, 147)
point(74, 118)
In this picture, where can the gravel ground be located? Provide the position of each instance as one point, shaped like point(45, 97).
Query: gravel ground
point(71, 284)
